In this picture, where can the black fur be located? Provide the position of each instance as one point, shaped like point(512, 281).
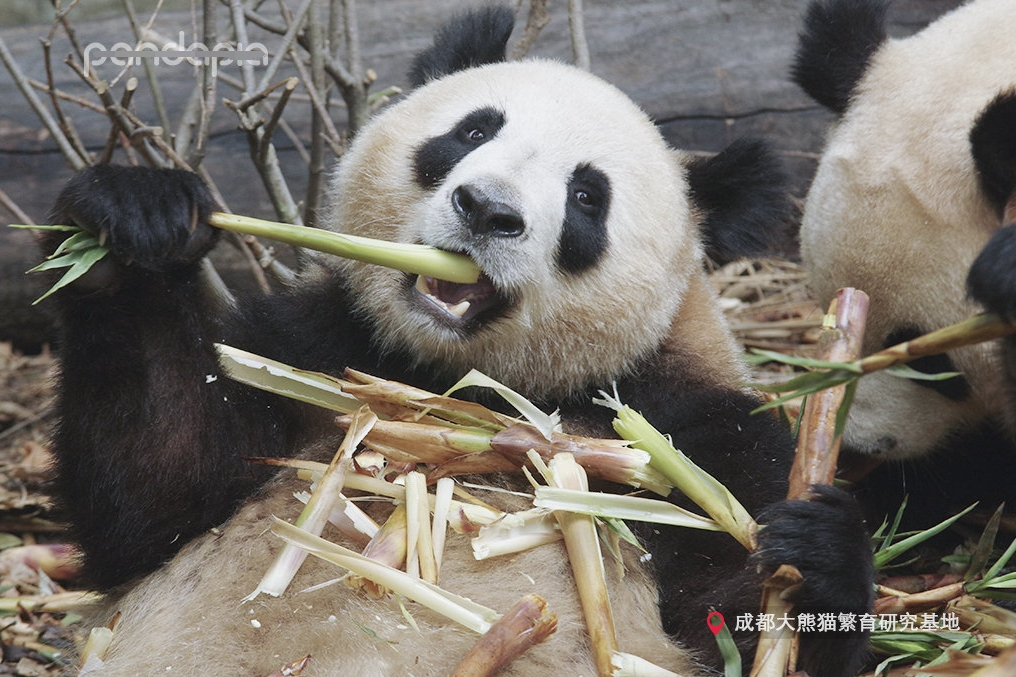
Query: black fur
point(832, 582)
point(993, 145)
point(584, 233)
point(834, 49)
point(436, 158)
point(470, 39)
point(743, 192)
point(138, 193)
point(152, 439)
point(992, 277)
point(956, 388)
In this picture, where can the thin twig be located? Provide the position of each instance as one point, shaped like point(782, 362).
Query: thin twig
point(577, 22)
point(13, 208)
point(66, 126)
point(119, 116)
point(315, 84)
point(538, 18)
point(68, 151)
point(148, 65)
point(84, 103)
point(273, 121)
point(114, 130)
point(206, 94)
point(287, 42)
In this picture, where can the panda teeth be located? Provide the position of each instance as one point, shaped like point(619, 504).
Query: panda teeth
point(458, 310)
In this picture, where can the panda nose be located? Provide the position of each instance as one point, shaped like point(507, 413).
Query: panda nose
point(484, 215)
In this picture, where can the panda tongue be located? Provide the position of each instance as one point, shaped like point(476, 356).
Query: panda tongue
point(455, 299)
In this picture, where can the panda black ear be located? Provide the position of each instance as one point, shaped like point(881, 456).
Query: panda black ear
point(833, 50)
point(993, 145)
point(743, 195)
point(469, 39)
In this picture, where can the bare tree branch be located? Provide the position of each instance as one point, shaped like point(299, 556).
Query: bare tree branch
point(69, 153)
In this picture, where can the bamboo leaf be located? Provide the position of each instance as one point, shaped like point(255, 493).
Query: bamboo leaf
point(806, 362)
point(29, 226)
point(906, 371)
point(888, 553)
point(81, 262)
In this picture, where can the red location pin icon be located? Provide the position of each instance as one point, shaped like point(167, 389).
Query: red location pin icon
point(715, 622)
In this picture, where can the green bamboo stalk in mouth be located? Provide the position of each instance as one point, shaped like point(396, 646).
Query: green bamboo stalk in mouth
point(410, 258)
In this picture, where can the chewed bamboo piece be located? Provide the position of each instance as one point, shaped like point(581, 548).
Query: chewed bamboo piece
point(525, 625)
point(318, 509)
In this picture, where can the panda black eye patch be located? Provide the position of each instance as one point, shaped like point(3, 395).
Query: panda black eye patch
point(584, 231)
point(956, 388)
point(437, 157)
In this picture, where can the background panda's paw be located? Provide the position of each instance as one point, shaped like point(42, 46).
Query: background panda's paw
point(992, 278)
point(826, 539)
point(154, 218)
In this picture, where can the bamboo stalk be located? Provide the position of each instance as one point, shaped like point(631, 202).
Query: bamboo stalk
point(583, 547)
point(818, 441)
point(777, 647)
point(412, 258)
point(977, 329)
point(814, 463)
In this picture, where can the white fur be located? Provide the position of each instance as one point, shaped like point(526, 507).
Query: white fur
point(895, 210)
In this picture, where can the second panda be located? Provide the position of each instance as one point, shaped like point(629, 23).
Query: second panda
point(590, 232)
point(913, 203)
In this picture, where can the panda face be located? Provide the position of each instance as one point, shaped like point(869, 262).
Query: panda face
point(564, 194)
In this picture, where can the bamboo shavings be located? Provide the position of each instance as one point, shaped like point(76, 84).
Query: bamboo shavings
point(463, 611)
point(617, 506)
point(389, 546)
point(516, 532)
point(315, 514)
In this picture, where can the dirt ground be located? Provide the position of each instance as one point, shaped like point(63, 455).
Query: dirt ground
point(33, 640)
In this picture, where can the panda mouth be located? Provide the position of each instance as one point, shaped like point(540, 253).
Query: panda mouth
point(458, 303)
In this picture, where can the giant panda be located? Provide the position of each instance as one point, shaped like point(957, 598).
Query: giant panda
point(590, 232)
point(909, 204)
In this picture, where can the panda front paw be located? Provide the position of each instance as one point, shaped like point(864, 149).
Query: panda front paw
point(826, 540)
point(152, 218)
point(992, 277)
